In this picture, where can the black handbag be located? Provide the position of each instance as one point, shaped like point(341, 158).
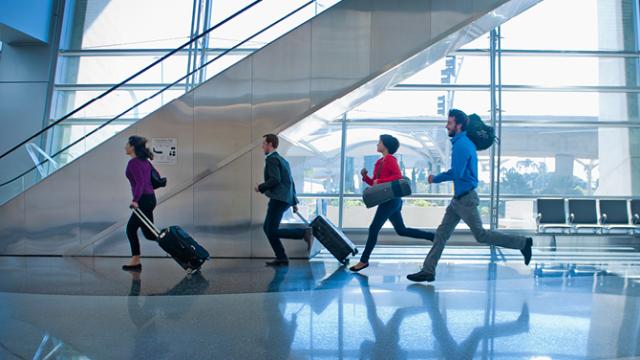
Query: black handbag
point(157, 181)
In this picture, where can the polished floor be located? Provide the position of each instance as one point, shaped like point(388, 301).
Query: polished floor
point(572, 302)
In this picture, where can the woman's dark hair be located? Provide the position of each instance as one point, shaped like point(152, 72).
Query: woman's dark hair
point(139, 145)
point(391, 143)
point(460, 117)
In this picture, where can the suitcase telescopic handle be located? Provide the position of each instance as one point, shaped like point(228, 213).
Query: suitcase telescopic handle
point(304, 220)
point(145, 221)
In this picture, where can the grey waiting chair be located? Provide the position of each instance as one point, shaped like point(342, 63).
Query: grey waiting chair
point(551, 214)
point(635, 212)
point(583, 214)
point(614, 214)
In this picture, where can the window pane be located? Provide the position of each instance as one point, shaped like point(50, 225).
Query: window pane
point(568, 71)
point(114, 69)
point(125, 24)
point(469, 70)
point(573, 106)
point(257, 18)
point(572, 25)
point(421, 103)
point(314, 156)
point(566, 161)
point(111, 105)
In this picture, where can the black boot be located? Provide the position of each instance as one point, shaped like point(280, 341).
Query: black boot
point(526, 251)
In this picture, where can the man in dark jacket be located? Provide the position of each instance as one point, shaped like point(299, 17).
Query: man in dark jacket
point(278, 186)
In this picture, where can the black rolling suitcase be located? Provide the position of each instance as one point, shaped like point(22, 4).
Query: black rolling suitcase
point(333, 239)
point(378, 194)
point(177, 243)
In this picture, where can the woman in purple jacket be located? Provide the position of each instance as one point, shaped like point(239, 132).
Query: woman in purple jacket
point(139, 175)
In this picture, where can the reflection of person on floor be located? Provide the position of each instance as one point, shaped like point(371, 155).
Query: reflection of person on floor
point(387, 335)
point(467, 348)
point(142, 316)
point(280, 331)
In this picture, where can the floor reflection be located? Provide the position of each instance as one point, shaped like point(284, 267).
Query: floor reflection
point(238, 308)
point(143, 312)
point(386, 344)
point(280, 330)
point(465, 349)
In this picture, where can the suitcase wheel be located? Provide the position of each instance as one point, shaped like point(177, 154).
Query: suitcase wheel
point(355, 252)
point(345, 262)
point(189, 271)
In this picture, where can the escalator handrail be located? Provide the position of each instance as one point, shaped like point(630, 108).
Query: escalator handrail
point(143, 70)
point(159, 92)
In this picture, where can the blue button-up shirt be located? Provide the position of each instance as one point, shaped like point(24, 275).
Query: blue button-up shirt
point(464, 165)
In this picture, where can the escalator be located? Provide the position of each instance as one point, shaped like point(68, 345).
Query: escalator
point(74, 200)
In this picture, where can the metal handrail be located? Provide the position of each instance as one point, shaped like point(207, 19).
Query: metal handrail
point(113, 88)
point(154, 95)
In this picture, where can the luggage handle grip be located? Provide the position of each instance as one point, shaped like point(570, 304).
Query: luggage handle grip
point(145, 220)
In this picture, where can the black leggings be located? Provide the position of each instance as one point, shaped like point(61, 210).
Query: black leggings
point(392, 211)
point(146, 204)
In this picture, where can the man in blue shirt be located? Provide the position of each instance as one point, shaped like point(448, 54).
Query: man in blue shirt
point(464, 205)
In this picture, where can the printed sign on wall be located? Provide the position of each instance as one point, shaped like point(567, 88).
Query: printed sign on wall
point(164, 150)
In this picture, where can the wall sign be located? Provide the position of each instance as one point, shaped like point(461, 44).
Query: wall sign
point(165, 150)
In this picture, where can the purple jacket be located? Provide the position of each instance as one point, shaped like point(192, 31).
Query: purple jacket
point(139, 175)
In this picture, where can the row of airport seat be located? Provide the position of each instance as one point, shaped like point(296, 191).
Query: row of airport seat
point(592, 215)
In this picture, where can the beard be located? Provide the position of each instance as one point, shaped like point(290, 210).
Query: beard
point(451, 133)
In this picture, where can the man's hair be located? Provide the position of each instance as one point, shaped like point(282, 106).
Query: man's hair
point(460, 118)
point(272, 139)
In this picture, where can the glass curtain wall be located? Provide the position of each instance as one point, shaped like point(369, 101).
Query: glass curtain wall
point(566, 99)
point(565, 82)
point(570, 105)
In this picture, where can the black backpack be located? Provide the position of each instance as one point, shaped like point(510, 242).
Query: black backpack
point(481, 134)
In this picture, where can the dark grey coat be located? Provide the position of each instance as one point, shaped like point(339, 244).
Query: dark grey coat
point(278, 182)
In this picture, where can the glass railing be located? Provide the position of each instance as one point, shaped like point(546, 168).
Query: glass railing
point(87, 114)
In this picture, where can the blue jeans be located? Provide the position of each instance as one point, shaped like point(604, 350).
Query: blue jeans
point(275, 211)
point(392, 211)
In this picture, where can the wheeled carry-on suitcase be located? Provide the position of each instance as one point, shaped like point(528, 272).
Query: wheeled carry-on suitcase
point(333, 239)
point(177, 243)
point(378, 194)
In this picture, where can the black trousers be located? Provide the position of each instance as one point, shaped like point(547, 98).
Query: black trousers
point(275, 211)
point(392, 211)
point(146, 204)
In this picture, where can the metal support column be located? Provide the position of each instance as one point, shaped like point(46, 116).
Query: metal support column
point(494, 205)
point(343, 150)
point(205, 42)
point(192, 34)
